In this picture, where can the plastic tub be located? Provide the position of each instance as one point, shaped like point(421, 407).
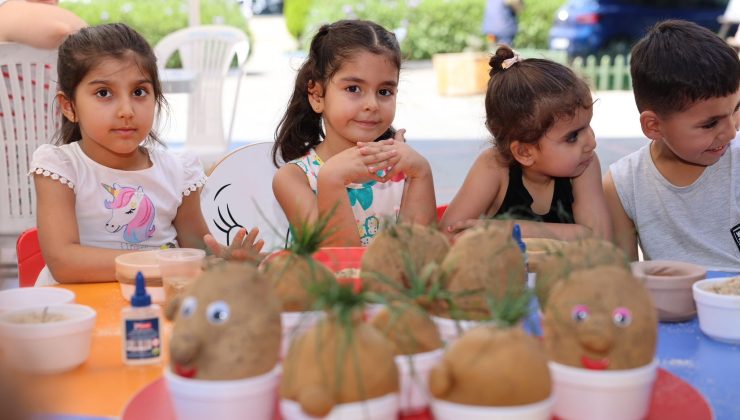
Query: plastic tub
point(381, 408)
point(582, 394)
point(669, 284)
point(445, 410)
point(196, 399)
point(60, 343)
point(719, 315)
point(413, 374)
point(28, 297)
point(127, 265)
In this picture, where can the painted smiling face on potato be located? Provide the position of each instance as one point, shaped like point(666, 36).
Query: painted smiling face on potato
point(601, 319)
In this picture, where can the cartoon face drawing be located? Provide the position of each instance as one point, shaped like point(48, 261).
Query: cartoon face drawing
point(132, 211)
point(600, 319)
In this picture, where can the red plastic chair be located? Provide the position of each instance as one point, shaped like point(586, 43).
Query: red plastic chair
point(30, 260)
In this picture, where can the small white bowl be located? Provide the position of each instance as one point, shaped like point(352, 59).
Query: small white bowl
point(195, 399)
point(381, 408)
point(582, 394)
point(445, 410)
point(50, 347)
point(127, 265)
point(27, 297)
point(719, 315)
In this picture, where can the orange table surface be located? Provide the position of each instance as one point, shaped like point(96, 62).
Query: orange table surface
point(103, 384)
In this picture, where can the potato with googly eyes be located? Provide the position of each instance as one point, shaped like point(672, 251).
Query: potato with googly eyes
point(227, 325)
point(600, 319)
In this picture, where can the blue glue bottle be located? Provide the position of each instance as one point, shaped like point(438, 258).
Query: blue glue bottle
point(516, 233)
point(142, 340)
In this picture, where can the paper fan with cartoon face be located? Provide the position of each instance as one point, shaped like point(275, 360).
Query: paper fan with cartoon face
point(238, 193)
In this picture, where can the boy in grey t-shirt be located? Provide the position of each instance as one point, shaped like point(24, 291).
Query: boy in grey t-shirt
point(680, 194)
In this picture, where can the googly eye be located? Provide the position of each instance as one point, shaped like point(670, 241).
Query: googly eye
point(622, 317)
point(188, 307)
point(580, 313)
point(218, 312)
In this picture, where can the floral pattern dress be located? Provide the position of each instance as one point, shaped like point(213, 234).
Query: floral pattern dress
point(372, 202)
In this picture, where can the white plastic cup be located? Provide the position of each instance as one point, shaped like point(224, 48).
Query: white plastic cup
point(445, 410)
point(197, 399)
point(414, 374)
point(450, 329)
point(295, 324)
point(603, 394)
point(381, 408)
point(179, 267)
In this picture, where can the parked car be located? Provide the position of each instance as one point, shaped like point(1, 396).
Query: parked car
point(262, 7)
point(584, 27)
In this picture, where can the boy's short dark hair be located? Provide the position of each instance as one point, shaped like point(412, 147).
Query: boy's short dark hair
point(678, 63)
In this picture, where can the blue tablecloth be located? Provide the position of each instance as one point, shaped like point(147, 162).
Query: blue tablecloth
point(710, 366)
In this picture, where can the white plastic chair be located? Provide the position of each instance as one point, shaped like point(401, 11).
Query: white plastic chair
point(207, 51)
point(27, 90)
point(238, 193)
point(728, 19)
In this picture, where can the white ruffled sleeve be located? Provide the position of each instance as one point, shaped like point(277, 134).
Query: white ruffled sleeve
point(193, 175)
point(52, 161)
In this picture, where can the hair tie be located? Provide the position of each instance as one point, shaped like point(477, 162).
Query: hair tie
point(511, 61)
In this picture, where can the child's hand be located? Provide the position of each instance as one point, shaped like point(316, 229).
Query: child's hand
point(407, 160)
point(243, 247)
point(362, 163)
point(455, 230)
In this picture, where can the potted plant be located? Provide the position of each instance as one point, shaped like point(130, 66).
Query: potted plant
point(225, 345)
point(405, 320)
point(495, 370)
point(484, 261)
point(600, 329)
point(293, 271)
point(341, 367)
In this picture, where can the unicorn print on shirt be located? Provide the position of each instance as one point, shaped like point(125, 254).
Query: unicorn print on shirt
point(132, 211)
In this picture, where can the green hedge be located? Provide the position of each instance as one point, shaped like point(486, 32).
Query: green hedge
point(535, 22)
point(426, 27)
point(156, 18)
point(296, 14)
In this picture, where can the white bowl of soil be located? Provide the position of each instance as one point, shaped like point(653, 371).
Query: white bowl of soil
point(718, 305)
point(48, 339)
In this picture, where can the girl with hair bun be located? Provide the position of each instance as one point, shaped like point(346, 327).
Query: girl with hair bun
point(542, 168)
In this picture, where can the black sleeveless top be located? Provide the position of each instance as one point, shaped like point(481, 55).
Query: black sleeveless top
point(517, 202)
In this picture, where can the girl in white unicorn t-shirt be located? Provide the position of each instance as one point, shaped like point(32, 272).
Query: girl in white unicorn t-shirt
point(104, 192)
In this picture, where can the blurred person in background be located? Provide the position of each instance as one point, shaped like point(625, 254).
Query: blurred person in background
point(500, 21)
point(38, 23)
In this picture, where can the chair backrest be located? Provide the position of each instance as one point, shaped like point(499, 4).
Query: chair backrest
point(207, 51)
point(27, 90)
point(238, 193)
point(30, 260)
point(730, 18)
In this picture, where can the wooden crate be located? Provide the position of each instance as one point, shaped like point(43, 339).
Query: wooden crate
point(461, 73)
